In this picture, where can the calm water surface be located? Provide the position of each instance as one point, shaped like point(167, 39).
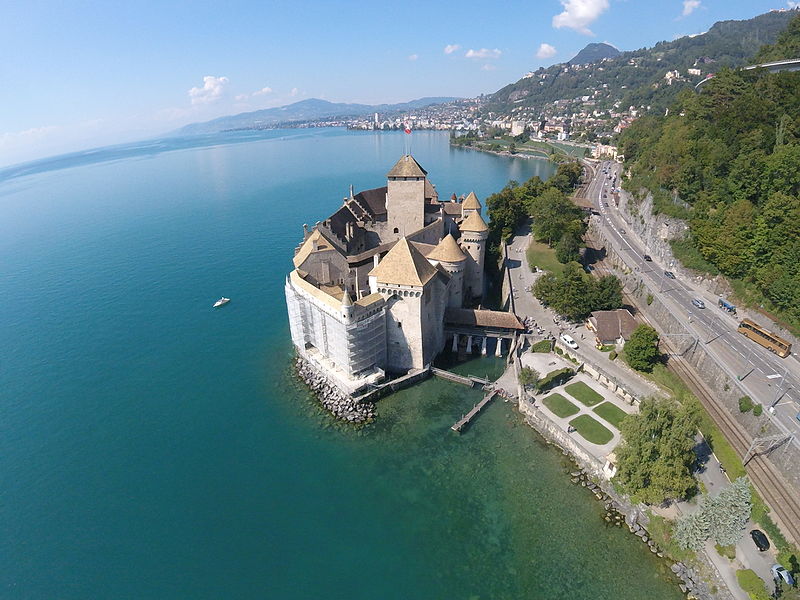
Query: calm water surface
point(151, 447)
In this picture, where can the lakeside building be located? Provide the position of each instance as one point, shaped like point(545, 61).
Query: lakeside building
point(372, 283)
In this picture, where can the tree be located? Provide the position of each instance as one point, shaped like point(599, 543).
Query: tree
point(654, 460)
point(567, 248)
point(722, 518)
point(528, 377)
point(641, 351)
point(692, 530)
point(575, 294)
point(607, 294)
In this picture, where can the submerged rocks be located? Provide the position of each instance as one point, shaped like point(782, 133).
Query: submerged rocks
point(339, 404)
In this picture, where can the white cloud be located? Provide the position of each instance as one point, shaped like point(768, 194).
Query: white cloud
point(488, 67)
point(263, 91)
point(545, 51)
point(413, 56)
point(579, 14)
point(294, 92)
point(450, 48)
point(689, 6)
point(212, 90)
point(791, 4)
point(483, 53)
point(241, 97)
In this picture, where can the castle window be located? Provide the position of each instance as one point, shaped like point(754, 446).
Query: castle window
point(399, 325)
point(396, 230)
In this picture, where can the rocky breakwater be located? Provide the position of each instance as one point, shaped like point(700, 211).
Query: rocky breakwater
point(618, 512)
point(339, 404)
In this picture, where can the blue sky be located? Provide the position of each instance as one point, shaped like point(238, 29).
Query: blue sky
point(78, 74)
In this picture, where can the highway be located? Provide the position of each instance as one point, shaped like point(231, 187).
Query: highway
point(765, 377)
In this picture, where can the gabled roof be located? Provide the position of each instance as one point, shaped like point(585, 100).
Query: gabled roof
point(482, 318)
point(474, 222)
point(404, 265)
point(447, 251)
point(610, 325)
point(472, 202)
point(407, 167)
point(373, 201)
point(316, 242)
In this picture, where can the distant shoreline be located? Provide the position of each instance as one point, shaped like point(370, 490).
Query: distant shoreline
point(504, 153)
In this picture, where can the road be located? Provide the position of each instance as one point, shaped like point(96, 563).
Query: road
point(773, 381)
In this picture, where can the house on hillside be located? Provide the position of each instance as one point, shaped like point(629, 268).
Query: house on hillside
point(611, 327)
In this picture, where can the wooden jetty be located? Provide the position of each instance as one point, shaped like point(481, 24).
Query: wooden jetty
point(464, 421)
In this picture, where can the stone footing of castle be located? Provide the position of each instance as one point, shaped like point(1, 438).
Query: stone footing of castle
point(338, 403)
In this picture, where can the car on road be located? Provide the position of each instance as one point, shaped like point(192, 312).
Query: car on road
point(780, 572)
point(698, 303)
point(567, 339)
point(647, 258)
point(669, 274)
point(759, 539)
point(605, 204)
point(622, 232)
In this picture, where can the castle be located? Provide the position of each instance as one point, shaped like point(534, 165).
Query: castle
point(372, 283)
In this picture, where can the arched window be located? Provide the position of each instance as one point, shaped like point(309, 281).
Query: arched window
point(396, 230)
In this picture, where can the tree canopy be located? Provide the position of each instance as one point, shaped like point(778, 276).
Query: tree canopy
point(641, 351)
point(574, 294)
point(729, 155)
point(654, 460)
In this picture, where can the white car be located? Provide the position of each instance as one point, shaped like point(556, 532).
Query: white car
point(567, 339)
point(780, 572)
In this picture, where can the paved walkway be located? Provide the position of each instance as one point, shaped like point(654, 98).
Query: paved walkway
point(522, 280)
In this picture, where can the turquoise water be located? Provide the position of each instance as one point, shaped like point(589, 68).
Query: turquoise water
point(151, 447)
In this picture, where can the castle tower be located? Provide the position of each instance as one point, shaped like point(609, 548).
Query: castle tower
point(470, 204)
point(415, 294)
point(453, 260)
point(474, 232)
point(405, 198)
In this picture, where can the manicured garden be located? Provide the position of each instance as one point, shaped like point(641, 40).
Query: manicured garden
point(560, 406)
point(583, 393)
point(591, 430)
point(611, 413)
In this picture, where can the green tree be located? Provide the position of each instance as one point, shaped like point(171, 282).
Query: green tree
point(607, 293)
point(729, 512)
point(568, 248)
point(692, 530)
point(528, 377)
point(655, 458)
point(641, 351)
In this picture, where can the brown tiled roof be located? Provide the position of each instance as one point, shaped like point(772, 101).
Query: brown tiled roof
point(339, 221)
point(447, 250)
point(373, 201)
point(316, 242)
point(452, 208)
point(404, 265)
point(610, 325)
point(407, 167)
point(474, 222)
point(482, 318)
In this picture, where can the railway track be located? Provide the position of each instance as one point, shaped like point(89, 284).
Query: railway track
point(782, 500)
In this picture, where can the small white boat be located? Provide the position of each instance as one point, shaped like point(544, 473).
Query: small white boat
point(221, 302)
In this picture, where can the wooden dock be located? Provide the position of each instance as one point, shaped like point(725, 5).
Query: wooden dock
point(464, 421)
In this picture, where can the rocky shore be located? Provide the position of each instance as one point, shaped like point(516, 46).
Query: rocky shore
point(620, 513)
point(340, 405)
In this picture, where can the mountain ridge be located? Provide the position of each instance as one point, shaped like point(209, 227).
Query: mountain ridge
point(594, 52)
point(309, 109)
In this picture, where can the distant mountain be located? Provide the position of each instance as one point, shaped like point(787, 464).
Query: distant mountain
point(636, 77)
point(594, 52)
point(312, 109)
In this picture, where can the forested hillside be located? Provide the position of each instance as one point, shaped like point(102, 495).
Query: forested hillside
point(630, 77)
point(728, 159)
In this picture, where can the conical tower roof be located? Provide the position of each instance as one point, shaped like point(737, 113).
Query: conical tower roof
point(447, 251)
point(474, 222)
point(472, 202)
point(407, 167)
point(404, 265)
point(346, 299)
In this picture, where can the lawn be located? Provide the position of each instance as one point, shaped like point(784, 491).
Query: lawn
point(591, 430)
point(611, 413)
point(583, 393)
point(543, 256)
point(560, 406)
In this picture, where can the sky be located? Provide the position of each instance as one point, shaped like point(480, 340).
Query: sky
point(78, 74)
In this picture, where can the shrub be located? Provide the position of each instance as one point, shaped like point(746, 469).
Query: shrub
point(528, 376)
point(757, 410)
point(649, 299)
point(612, 355)
point(641, 350)
point(728, 552)
point(543, 346)
point(745, 404)
point(559, 351)
point(555, 378)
